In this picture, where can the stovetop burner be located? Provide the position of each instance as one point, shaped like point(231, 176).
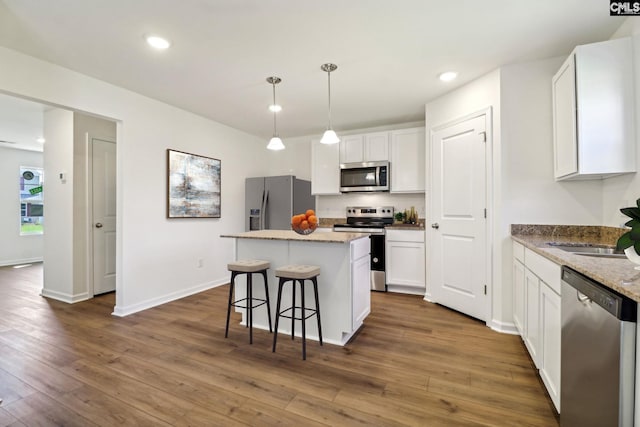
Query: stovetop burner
point(368, 217)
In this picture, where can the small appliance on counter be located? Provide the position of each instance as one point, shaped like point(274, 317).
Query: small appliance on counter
point(271, 201)
point(371, 220)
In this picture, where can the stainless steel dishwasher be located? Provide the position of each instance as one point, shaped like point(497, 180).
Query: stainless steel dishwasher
point(597, 354)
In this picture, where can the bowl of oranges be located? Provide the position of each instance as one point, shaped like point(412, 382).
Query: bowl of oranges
point(305, 223)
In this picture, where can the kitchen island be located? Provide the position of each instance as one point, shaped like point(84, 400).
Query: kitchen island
point(344, 284)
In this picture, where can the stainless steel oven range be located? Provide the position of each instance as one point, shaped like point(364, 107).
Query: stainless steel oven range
point(371, 220)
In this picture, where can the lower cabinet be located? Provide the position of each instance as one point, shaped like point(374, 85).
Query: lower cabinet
point(361, 281)
point(405, 261)
point(550, 329)
point(532, 315)
point(536, 313)
point(518, 296)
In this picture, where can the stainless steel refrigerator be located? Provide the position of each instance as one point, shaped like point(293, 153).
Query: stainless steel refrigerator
point(271, 201)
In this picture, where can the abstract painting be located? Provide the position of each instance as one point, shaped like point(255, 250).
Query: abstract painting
point(193, 186)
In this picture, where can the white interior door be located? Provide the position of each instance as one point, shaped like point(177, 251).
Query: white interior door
point(458, 238)
point(104, 215)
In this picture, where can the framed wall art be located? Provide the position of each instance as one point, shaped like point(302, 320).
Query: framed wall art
point(193, 186)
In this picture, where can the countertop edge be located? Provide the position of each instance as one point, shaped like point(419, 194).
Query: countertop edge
point(288, 235)
point(609, 272)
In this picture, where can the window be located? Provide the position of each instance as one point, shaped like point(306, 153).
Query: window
point(31, 200)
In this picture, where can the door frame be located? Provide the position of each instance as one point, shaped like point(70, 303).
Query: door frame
point(489, 203)
point(88, 199)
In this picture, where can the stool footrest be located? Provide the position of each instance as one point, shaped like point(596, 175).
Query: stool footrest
point(313, 312)
point(259, 300)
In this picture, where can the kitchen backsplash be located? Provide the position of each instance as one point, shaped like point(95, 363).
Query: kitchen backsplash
point(336, 206)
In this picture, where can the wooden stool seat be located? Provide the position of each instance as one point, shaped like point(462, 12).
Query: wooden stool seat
point(248, 267)
point(298, 273)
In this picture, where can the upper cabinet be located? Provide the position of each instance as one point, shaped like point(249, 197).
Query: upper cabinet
point(593, 112)
point(370, 147)
point(408, 160)
point(403, 148)
point(325, 171)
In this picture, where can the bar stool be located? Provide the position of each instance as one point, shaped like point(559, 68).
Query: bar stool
point(248, 267)
point(298, 273)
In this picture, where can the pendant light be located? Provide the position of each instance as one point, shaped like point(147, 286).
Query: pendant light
point(329, 136)
point(275, 143)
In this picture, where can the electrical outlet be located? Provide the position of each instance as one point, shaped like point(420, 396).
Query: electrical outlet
point(200, 262)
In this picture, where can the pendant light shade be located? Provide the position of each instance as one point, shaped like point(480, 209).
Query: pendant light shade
point(275, 143)
point(330, 136)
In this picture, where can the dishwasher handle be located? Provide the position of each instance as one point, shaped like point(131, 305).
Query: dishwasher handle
point(584, 299)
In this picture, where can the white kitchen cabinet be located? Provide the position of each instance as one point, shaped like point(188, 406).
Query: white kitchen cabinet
point(405, 261)
point(532, 316)
point(550, 330)
point(408, 160)
point(537, 315)
point(325, 168)
point(518, 294)
point(368, 147)
point(593, 112)
point(361, 280)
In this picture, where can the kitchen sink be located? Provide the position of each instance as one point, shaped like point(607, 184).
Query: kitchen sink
point(588, 249)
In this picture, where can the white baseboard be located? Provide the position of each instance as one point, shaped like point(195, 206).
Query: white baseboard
point(122, 311)
point(403, 289)
point(503, 327)
point(64, 297)
point(7, 262)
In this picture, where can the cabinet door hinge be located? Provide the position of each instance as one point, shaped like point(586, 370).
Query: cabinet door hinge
point(485, 289)
point(484, 136)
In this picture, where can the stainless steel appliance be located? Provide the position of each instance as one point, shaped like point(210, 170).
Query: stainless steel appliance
point(271, 201)
point(362, 177)
point(371, 220)
point(598, 354)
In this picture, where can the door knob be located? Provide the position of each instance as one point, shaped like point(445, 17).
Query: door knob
point(98, 225)
point(435, 225)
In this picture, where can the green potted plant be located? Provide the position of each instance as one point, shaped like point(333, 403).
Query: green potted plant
point(629, 242)
point(399, 216)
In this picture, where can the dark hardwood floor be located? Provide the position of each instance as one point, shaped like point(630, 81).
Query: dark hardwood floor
point(412, 364)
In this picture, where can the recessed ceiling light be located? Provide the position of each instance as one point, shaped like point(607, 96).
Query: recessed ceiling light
point(275, 108)
point(158, 42)
point(448, 76)
point(41, 140)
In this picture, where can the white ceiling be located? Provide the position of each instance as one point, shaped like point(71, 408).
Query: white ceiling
point(388, 53)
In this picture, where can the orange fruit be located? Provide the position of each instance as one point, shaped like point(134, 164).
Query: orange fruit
point(313, 220)
point(295, 220)
point(309, 213)
point(304, 225)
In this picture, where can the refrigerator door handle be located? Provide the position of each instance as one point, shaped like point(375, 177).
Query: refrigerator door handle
point(263, 219)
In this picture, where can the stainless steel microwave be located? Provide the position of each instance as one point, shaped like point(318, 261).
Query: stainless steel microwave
point(361, 177)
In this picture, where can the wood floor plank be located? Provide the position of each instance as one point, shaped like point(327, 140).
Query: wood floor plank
point(163, 405)
point(40, 410)
point(413, 363)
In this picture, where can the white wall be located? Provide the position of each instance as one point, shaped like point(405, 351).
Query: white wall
point(624, 190)
point(157, 258)
point(476, 96)
point(58, 199)
point(530, 194)
point(14, 248)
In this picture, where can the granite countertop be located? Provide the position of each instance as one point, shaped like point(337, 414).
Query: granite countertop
point(320, 237)
point(400, 226)
point(618, 274)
